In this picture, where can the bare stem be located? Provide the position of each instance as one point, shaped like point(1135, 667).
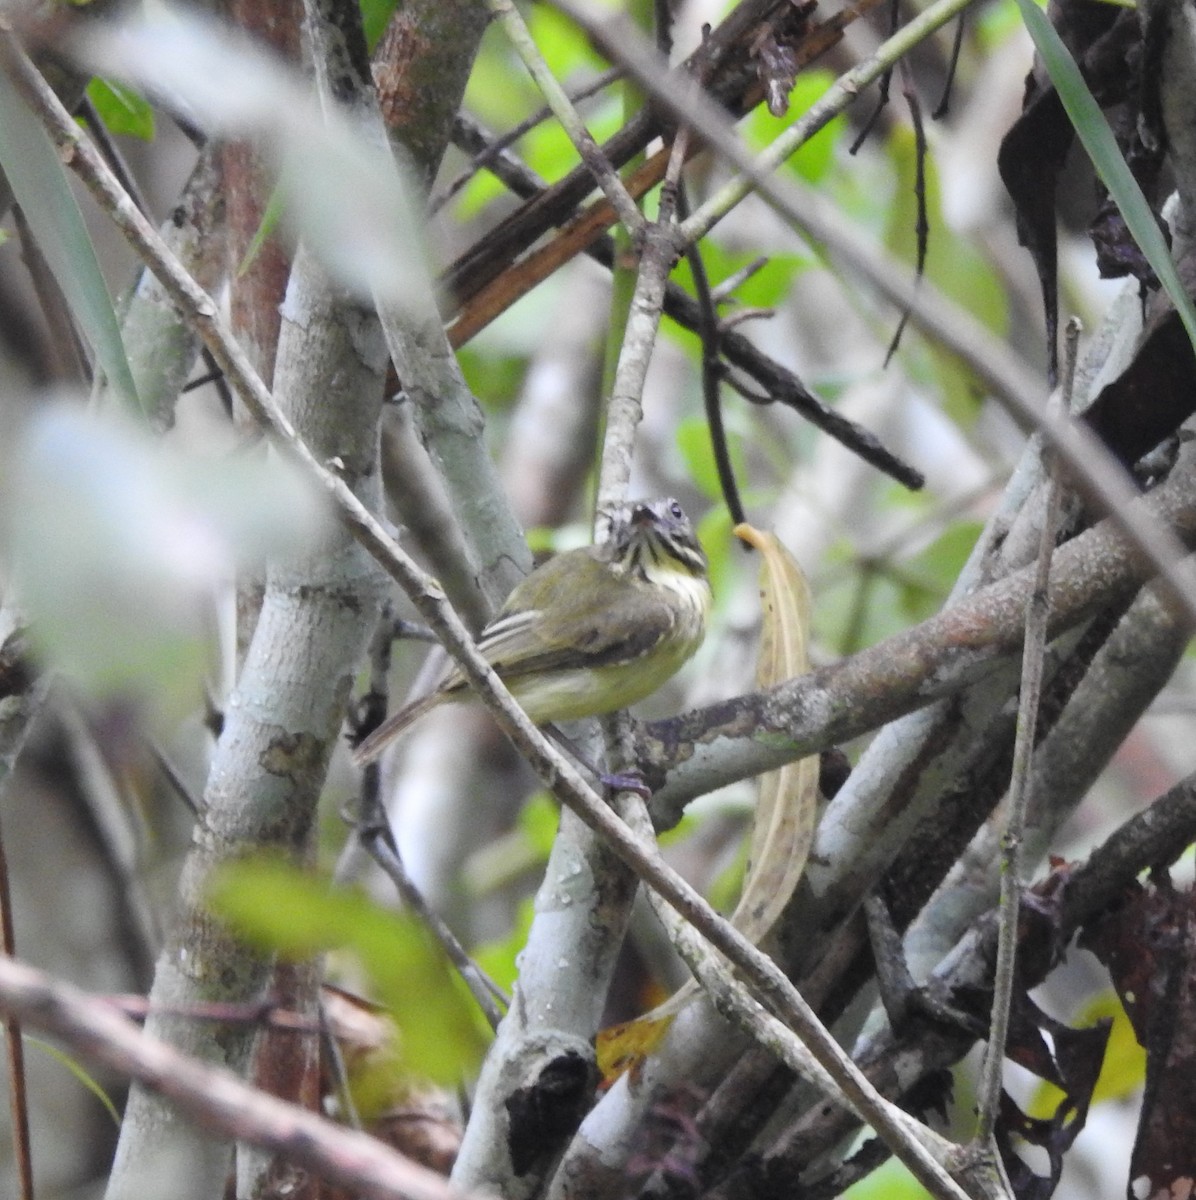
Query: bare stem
point(1033, 654)
point(562, 107)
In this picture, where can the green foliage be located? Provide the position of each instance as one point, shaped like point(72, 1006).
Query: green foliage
point(35, 171)
point(122, 109)
point(537, 823)
point(481, 190)
point(564, 50)
point(816, 157)
point(762, 289)
point(267, 226)
point(728, 883)
point(494, 374)
point(936, 568)
point(499, 958)
point(517, 854)
point(996, 23)
point(952, 264)
point(375, 16)
point(714, 532)
point(697, 451)
point(499, 92)
point(285, 910)
point(890, 1181)
point(548, 150)
point(878, 599)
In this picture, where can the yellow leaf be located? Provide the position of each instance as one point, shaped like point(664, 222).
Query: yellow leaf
point(623, 1048)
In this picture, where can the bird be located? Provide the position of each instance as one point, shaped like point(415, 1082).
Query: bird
point(590, 630)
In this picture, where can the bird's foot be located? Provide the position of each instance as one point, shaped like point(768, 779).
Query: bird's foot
point(627, 781)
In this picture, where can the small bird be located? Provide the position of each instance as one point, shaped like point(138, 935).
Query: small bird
point(591, 630)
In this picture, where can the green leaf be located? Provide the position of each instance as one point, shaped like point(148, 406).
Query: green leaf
point(493, 373)
point(375, 16)
point(697, 450)
point(283, 909)
point(558, 40)
point(547, 147)
point(122, 109)
point(1094, 132)
point(266, 226)
point(538, 821)
point(117, 539)
point(936, 568)
point(714, 532)
point(482, 190)
point(762, 289)
point(40, 185)
point(499, 92)
point(79, 1072)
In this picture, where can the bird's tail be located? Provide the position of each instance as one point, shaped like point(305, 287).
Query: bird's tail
point(393, 727)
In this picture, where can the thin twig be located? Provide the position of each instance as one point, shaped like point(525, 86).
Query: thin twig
point(375, 834)
point(625, 407)
point(591, 153)
point(18, 1091)
point(1096, 471)
point(685, 98)
point(111, 152)
point(216, 1097)
point(338, 1071)
point(1033, 655)
point(487, 155)
point(831, 1070)
point(379, 841)
point(708, 331)
point(781, 384)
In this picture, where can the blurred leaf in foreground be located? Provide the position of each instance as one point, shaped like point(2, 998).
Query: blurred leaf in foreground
point(281, 908)
point(118, 543)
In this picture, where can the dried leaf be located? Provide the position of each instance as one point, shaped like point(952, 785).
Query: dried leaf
point(1068, 1058)
point(1148, 943)
point(788, 801)
point(784, 824)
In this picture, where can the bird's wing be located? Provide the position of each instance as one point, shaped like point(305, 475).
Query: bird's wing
point(519, 642)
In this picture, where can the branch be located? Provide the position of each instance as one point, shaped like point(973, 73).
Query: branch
point(1096, 470)
point(591, 154)
point(739, 738)
point(214, 1097)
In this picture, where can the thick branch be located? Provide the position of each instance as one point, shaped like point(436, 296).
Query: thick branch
point(739, 738)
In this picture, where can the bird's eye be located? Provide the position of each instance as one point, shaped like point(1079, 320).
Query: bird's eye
point(676, 510)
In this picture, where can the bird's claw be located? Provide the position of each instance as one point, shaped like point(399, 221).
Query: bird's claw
point(627, 781)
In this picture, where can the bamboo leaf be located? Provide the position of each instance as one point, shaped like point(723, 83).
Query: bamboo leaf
point(1098, 140)
point(43, 192)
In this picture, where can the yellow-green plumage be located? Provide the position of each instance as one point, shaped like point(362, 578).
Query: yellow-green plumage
point(591, 630)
